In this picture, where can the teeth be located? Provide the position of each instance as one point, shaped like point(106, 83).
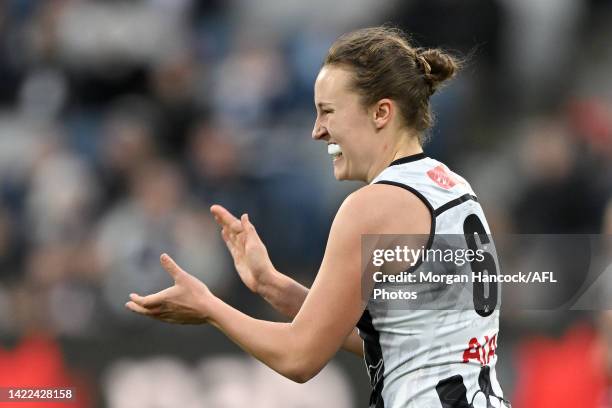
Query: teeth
point(333, 149)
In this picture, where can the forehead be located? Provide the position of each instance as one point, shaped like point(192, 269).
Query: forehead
point(332, 82)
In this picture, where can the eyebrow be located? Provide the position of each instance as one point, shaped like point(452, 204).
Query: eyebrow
point(321, 104)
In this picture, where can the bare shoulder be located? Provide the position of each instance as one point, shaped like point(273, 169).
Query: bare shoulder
point(385, 209)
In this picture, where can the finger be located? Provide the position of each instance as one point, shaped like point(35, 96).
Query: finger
point(150, 301)
point(248, 227)
point(236, 238)
point(229, 239)
point(153, 313)
point(231, 246)
point(236, 227)
point(136, 308)
point(246, 224)
point(222, 216)
point(171, 267)
point(226, 219)
point(145, 302)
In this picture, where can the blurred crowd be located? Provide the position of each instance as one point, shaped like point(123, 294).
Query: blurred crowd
point(121, 122)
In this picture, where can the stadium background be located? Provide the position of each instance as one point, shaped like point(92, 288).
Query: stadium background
point(122, 121)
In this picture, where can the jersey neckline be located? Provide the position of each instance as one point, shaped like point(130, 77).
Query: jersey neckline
point(408, 159)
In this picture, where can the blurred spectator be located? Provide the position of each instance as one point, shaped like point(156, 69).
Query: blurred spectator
point(247, 82)
point(551, 169)
point(541, 45)
point(10, 246)
point(155, 218)
point(173, 82)
point(128, 142)
point(216, 167)
point(62, 197)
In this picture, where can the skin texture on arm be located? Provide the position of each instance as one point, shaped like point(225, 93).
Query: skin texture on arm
point(300, 349)
point(255, 269)
point(287, 296)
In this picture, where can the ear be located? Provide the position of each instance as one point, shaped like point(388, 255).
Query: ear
point(384, 110)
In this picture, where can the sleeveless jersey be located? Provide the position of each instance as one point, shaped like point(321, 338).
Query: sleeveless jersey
point(439, 357)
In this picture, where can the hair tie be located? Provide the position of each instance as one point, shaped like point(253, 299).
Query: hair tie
point(424, 65)
point(426, 68)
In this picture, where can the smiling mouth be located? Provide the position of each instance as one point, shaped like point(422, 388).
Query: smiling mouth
point(334, 150)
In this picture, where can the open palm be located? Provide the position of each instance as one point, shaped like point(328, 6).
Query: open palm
point(186, 302)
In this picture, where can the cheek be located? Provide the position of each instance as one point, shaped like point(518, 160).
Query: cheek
point(350, 125)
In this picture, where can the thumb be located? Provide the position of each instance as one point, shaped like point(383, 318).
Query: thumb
point(171, 267)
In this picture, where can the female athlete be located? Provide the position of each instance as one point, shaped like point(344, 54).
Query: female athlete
point(372, 103)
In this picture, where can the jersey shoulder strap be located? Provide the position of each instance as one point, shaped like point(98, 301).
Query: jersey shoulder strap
point(429, 179)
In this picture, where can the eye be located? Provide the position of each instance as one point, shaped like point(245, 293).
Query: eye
point(326, 111)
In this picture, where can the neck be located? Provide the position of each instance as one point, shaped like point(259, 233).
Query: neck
point(407, 145)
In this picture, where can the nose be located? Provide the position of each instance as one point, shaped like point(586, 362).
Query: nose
point(318, 131)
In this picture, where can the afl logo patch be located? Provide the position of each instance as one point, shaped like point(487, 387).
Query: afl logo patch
point(441, 177)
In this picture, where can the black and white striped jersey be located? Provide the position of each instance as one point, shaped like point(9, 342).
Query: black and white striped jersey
point(438, 357)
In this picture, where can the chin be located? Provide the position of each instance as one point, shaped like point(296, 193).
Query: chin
point(342, 176)
point(342, 172)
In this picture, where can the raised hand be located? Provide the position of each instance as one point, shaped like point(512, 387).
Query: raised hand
point(184, 303)
point(248, 251)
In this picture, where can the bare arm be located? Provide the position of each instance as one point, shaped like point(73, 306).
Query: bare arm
point(286, 296)
point(300, 349)
point(255, 269)
point(297, 350)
